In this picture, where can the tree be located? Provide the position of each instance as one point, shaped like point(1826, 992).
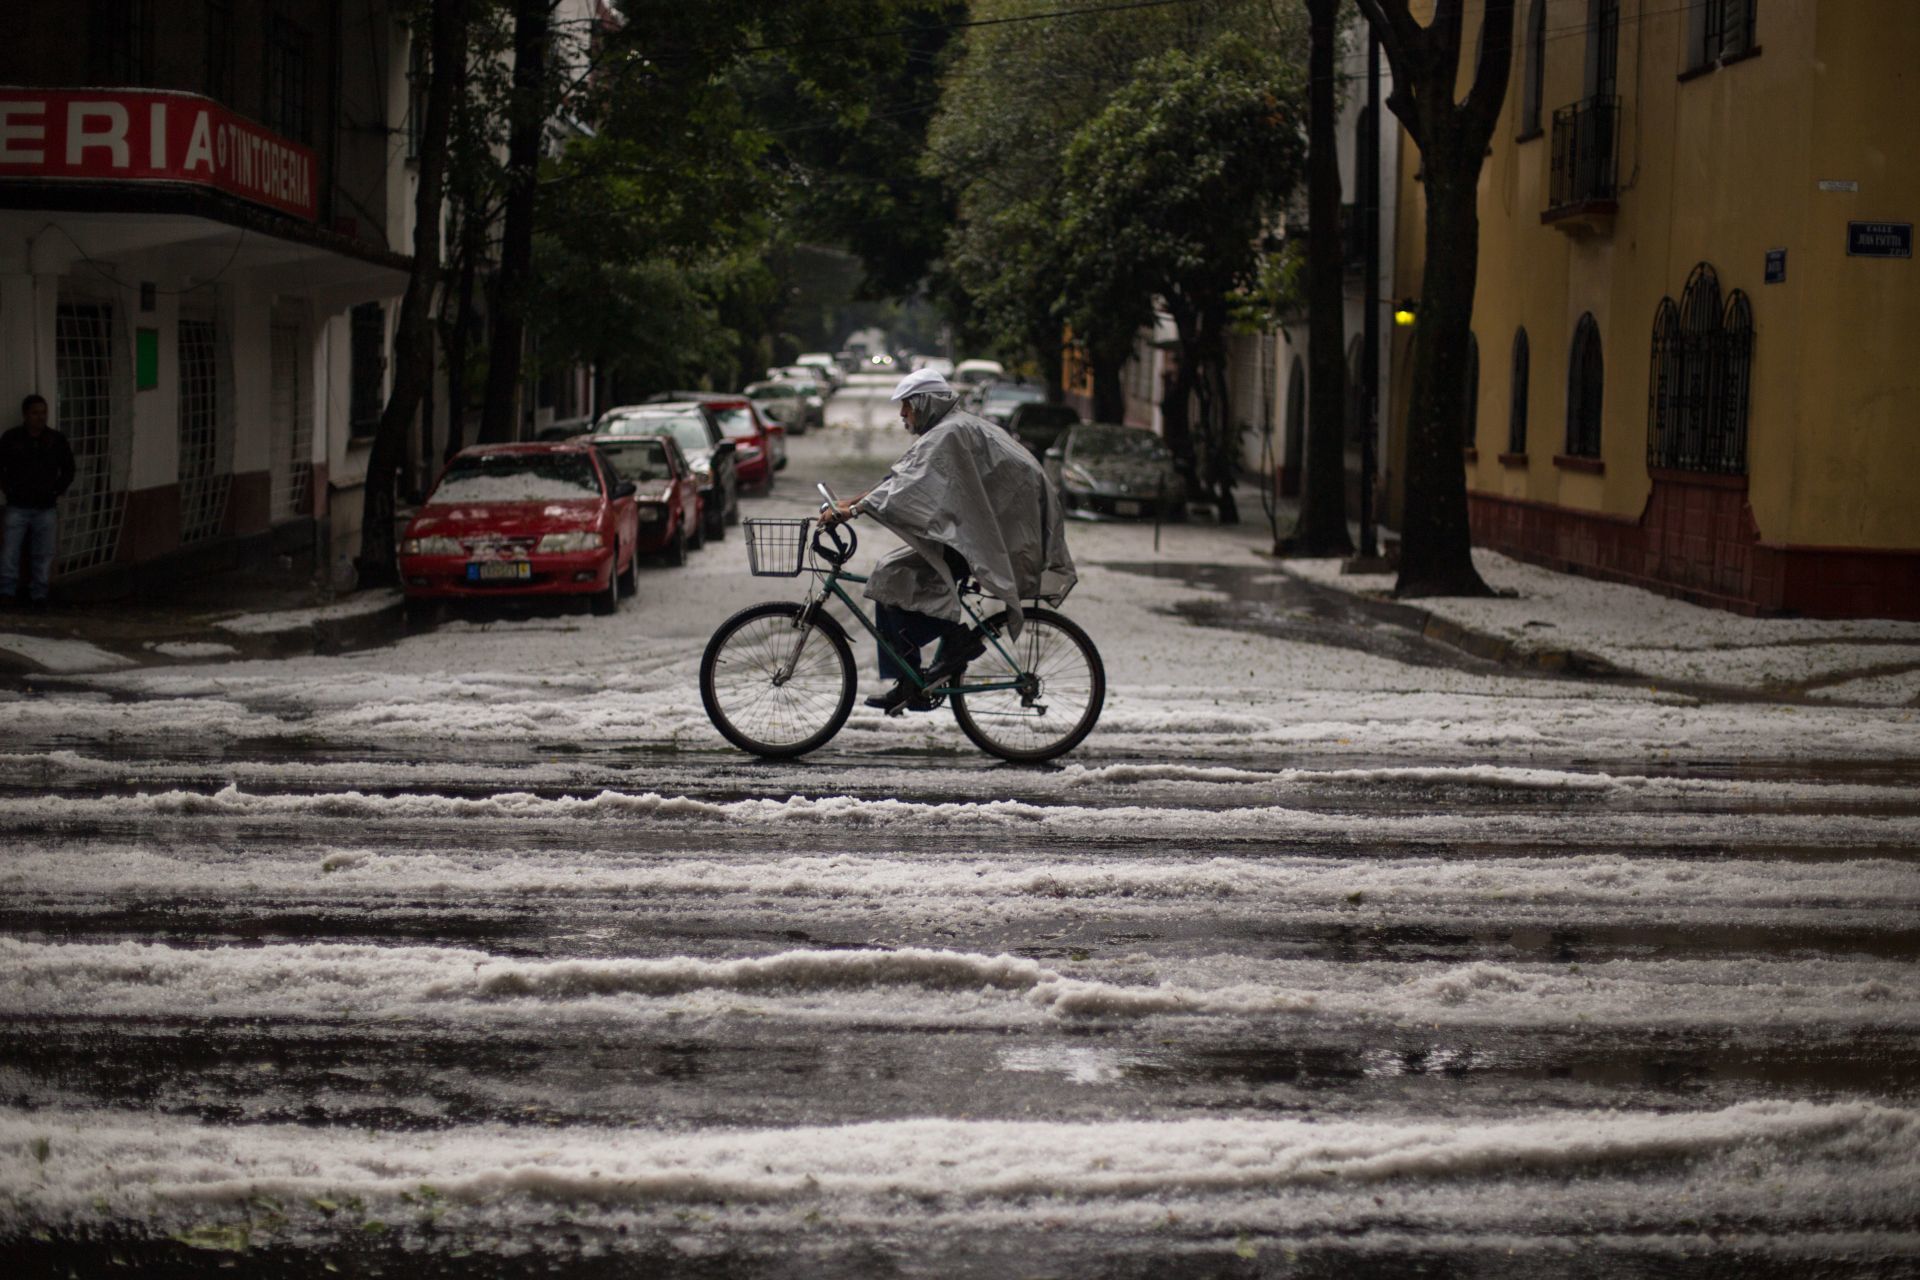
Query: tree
point(413, 333)
point(528, 110)
point(1321, 529)
point(1452, 133)
point(1173, 185)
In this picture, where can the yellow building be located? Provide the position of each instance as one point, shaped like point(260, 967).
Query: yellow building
point(1697, 319)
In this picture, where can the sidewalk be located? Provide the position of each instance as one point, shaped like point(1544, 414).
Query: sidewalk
point(221, 617)
point(1582, 626)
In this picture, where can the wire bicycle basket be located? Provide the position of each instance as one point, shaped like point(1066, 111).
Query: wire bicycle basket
point(777, 548)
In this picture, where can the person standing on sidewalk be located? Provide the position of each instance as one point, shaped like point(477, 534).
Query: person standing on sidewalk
point(36, 466)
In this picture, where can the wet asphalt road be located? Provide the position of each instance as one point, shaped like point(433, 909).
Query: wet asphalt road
point(1346, 946)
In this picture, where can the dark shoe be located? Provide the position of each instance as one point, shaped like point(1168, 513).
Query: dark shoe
point(904, 696)
point(951, 666)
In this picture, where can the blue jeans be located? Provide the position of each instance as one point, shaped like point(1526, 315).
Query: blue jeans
point(24, 525)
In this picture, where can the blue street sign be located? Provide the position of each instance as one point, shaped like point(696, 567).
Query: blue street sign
point(1879, 239)
point(1776, 266)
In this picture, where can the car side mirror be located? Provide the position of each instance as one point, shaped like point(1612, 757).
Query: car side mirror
point(625, 489)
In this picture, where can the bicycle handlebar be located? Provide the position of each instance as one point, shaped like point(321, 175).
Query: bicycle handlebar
point(843, 546)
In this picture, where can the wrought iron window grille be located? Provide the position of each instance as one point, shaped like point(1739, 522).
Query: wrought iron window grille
point(1586, 154)
point(1700, 377)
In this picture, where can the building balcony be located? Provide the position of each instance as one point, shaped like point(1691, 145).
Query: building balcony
point(1583, 191)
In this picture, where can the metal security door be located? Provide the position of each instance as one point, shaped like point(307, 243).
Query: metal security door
point(292, 427)
point(90, 511)
point(203, 489)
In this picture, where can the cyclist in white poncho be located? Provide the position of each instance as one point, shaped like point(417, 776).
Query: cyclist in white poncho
point(969, 501)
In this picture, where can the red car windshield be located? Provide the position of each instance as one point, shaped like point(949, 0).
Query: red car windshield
point(737, 422)
point(518, 477)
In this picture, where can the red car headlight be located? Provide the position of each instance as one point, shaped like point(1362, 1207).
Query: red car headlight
point(573, 540)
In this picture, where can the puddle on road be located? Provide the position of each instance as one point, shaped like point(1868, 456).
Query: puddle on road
point(1267, 602)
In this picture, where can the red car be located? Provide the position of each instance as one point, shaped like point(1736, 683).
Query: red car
point(761, 445)
point(523, 520)
point(667, 493)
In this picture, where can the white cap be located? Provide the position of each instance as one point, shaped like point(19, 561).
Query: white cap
point(922, 380)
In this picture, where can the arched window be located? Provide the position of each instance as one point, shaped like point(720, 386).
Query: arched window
point(1534, 79)
point(1585, 382)
point(1470, 395)
point(1727, 439)
point(1702, 359)
point(1517, 400)
point(1663, 380)
point(1697, 391)
point(1294, 446)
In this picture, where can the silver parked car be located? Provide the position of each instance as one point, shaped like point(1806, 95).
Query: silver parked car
point(1107, 471)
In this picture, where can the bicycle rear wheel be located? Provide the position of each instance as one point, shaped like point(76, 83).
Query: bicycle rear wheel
point(756, 710)
point(1064, 688)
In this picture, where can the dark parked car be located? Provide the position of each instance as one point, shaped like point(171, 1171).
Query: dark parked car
point(1102, 470)
point(796, 406)
point(666, 493)
point(711, 455)
point(999, 400)
point(761, 445)
point(1038, 425)
point(522, 519)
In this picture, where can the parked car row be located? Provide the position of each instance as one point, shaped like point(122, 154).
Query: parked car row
point(575, 517)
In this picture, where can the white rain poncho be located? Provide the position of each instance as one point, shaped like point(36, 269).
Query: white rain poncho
point(969, 485)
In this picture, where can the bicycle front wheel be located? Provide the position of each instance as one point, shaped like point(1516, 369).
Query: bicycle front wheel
point(1062, 688)
point(774, 686)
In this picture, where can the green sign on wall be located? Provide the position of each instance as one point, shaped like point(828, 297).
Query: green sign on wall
point(146, 359)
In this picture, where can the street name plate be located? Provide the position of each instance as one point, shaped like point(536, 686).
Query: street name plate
point(1776, 266)
point(1879, 239)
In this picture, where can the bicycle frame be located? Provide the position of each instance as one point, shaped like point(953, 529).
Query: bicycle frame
point(829, 587)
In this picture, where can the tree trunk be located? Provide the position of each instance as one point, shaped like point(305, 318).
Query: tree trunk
point(460, 330)
point(500, 412)
point(1321, 529)
point(413, 332)
point(1109, 392)
point(1436, 545)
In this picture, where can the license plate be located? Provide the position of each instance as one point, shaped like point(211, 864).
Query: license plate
point(500, 570)
point(1126, 508)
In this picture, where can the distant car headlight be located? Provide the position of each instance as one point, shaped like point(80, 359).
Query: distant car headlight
point(814, 402)
point(576, 540)
point(1077, 481)
point(435, 546)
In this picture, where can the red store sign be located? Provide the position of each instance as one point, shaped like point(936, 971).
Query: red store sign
point(143, 135)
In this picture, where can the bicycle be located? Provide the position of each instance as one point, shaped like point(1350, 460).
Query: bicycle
point(778, 679)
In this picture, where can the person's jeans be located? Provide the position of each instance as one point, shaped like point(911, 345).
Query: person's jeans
point(27, 526)
point(907, 631)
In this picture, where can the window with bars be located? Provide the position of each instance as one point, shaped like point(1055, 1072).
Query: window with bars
point(1699, 378)
point(1517, 399)
point(1534, 79)
point(368, 348)
point(292, 422)
point(85, 398)
point(286, 79)
point(1585, 386)
point(204, 482)
point(217, 81)
point(120, 41)
point(1718, 30)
